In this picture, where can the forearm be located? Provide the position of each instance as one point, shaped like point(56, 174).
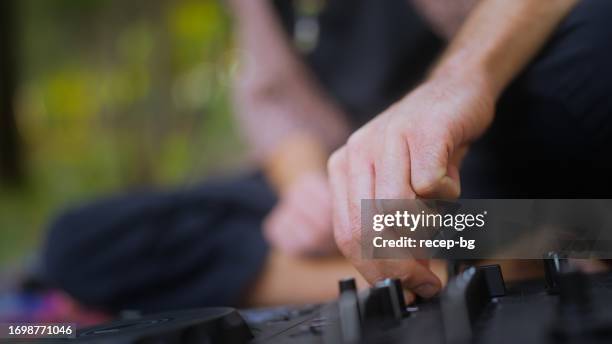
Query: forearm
point(264, 48)
point(289, 122)
point(499, 38)
point(271, 76)
point(281, 141)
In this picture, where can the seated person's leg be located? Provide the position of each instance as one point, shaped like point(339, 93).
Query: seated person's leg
point(160, 251)
point(187, 249)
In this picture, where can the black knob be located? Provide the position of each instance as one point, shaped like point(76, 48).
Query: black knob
point(397, 295)
point(380, 305)
point(494, 280)
point(347, 284)
point(462, 303)
point(401, 301)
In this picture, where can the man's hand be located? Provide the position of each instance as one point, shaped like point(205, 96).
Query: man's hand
point(301, 223)
point(413, 149)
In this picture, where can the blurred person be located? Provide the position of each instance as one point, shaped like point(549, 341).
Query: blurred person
point(383, 73)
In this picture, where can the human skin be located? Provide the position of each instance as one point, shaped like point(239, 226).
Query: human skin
point(292, 128)
point(414, 148)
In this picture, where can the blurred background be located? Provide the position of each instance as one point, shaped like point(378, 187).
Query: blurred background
point(100, 96)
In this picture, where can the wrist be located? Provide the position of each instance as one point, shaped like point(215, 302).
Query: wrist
point(467, 99)
point(297, 155)
point(474, 76)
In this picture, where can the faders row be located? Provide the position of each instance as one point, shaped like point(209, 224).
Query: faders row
point(476, 306)
point(367, 316)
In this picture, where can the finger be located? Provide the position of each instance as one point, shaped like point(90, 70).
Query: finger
point(337, 171)
point(393, 170)
point(409, 296)
point(430, 168)
point(446, 188)
point(414, 276)
point(422, 281)
point(450, 185)
point(360, 186)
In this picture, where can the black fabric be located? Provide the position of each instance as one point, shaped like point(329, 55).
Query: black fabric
point(552, 134)
point(369, 53)
point(162, 251)
point(552, 129)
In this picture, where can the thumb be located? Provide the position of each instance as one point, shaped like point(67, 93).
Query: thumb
point(435, 169)
point(414, 275)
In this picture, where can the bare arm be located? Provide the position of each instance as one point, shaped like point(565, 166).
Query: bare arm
point(291, 126)
point(290, 123)
point(500, 37)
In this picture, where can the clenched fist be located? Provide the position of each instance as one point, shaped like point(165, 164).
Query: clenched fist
point(301, 222)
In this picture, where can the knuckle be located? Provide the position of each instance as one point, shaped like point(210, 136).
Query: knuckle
point(426, 186)
point(445, 137)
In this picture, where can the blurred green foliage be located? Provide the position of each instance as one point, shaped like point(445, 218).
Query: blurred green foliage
point(115, 95)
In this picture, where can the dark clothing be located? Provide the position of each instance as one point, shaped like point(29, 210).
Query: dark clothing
point(553, 126)
point(552, 134)
point(369, 54)
point(551, 138)
point(161, 251)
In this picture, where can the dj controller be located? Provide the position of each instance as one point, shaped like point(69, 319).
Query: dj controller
point(476, 306)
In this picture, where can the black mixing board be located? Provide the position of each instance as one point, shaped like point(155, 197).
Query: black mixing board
point(476, 306)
